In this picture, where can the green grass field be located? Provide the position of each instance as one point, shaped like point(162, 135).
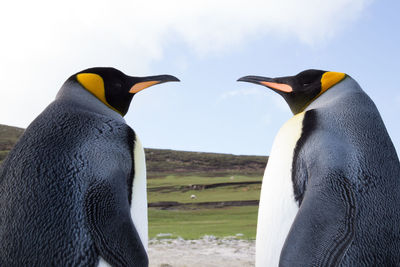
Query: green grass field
point(188, 180)
point(226, 193)
point(195, 223)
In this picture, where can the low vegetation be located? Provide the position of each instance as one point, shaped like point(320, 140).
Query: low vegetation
point(239, 222)
point(235, 189)
point(8, 137)
point(162, 162)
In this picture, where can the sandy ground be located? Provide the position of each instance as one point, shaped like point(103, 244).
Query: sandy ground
point(208, 251)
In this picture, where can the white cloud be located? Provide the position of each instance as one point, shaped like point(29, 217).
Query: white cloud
point(45, 41)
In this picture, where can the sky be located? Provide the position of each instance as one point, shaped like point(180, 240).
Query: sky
point(208, 45)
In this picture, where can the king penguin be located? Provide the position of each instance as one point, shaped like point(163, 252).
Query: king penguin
point(73, 189)
point(331, 190)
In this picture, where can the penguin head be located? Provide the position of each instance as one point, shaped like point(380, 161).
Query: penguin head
point(114, 88)
point(302, 89)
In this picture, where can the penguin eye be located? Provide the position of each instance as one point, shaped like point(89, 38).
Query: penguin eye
point(118, 85)
point(306, 84)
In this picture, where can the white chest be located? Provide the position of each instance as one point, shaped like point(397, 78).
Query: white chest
point(277, 207)
point(139, 194)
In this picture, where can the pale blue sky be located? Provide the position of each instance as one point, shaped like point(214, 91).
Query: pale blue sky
point(208, 46)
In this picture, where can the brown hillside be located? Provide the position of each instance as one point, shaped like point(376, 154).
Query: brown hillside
point(8, 137)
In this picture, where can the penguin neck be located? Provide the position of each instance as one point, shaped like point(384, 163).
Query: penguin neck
point(342, 90)
point(75, 93)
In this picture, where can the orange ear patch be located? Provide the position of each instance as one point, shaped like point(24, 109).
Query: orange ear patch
point(331, 78)
point(279, 86)
point(94, 84)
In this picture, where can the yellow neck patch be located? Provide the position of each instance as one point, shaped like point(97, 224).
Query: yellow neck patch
point(94, 84)
point(329, 79)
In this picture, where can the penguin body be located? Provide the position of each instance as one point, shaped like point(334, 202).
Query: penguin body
point(73, 189)
point(277, 207)
point(345, 177)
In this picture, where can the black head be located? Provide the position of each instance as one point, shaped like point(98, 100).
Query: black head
point(299, 90)
point(114, 88)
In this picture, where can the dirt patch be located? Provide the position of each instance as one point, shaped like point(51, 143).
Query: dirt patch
point(206, 252)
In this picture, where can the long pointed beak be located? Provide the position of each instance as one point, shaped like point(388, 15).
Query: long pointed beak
point(269, 82)
point(145, 82)
point(255, 79)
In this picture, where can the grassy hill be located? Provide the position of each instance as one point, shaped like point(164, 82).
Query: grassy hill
point(192, 194)
point(162, 161)
point(8, 137)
